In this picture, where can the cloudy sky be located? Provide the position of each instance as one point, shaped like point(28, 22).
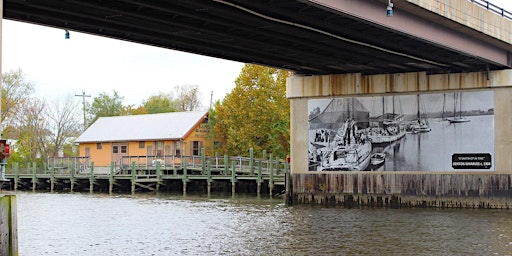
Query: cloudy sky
point(60, 67)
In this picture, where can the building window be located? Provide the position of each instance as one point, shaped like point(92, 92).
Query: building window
point(124, 149)
point(196, 148)
point(178, 148)
point(99, 145)
point(159, 148)
point(115, 149)
point(142, 144)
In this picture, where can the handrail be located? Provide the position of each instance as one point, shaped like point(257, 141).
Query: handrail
point(494, 8)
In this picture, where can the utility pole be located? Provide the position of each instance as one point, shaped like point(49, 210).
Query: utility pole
point(83, 103)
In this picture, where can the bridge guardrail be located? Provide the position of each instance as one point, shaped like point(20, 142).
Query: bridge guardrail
point(494, 8)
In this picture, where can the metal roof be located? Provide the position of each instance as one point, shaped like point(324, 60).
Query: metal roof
point(164, 126)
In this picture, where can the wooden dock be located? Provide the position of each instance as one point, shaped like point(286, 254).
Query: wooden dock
point(185, 173)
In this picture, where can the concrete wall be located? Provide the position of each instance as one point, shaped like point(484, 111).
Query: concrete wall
point(411, 188)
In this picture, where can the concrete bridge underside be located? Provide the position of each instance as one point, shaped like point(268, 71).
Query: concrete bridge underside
point(309, 37)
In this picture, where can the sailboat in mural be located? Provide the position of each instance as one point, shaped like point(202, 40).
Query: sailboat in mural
point(389, 128)
point(421, 124)
point(351, 151)
point(350, 148)
point(457, 113)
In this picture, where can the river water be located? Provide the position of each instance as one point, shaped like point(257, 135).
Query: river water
point(173, 224)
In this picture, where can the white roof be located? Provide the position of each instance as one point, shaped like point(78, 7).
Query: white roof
point(170, 126)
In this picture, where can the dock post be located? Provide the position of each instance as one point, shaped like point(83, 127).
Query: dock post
point(209, 178)
point(9, 225)
point(251, 163)
point(34, 177)
point(52, 178)
point(111, 178)
point(258, 188)
point(203, 162)
point(184, 178)
point(133, 178)
point(226, 165)
point(158, 175)
point(72, 178)
point(91, 178)
point(233, 179)
point(271, 180)
point(288, 188)
point(15, 166)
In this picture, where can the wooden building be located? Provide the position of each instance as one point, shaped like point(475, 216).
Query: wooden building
point(157, 136)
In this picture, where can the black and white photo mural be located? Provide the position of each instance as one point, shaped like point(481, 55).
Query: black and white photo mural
point(421, 132)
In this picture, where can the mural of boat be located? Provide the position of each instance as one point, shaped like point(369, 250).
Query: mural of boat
point(421, 125)
point(387, 127)
point(377, 159)
point(339, 137)
point(351, 151)
point(457, 114)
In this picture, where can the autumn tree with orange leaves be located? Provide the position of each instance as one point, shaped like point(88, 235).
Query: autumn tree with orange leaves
point(255, 114)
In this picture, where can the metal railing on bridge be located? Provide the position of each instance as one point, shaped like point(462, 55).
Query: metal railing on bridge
point(494, 8)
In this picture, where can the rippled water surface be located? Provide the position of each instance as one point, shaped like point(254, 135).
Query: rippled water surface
point(165, 224)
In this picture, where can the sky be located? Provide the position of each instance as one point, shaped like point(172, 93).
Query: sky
point(61, 67)
point(85, 63)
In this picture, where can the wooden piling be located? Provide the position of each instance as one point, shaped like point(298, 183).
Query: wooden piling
point(271, 180)
point(52, 178)
point(184, 178)
point(233, 179)
point(226, 165)
point(8, 225)
point(15, 167)
point(251, 163)
point(158, 175)
point(72, 178)
point(208, 178)
point(259, 180)
point(133, 178)
point(111, 178)
point(34, 177)
point(91, 179)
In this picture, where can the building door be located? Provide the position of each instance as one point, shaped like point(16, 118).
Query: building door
point(118, 151)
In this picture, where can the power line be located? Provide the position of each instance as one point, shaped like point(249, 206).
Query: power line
point(83, 103)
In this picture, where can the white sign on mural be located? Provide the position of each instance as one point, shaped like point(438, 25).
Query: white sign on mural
point(421, 132)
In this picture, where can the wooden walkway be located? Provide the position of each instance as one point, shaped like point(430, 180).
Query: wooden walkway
point(186, 173)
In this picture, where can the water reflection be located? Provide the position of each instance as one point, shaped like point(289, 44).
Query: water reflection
point(170, 224)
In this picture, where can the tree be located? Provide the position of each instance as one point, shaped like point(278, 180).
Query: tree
point(132, 110)
point(161, 103)
point(30, 132)
point(105, 105)
point(256, 113)
point(16, 90)
point(43, 129)
point(63, 125)
point(188, 98)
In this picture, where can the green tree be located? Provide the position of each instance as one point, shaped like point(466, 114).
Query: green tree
point(132, 110)
point(161, 103)
point(256, 113)
point(105, 105)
